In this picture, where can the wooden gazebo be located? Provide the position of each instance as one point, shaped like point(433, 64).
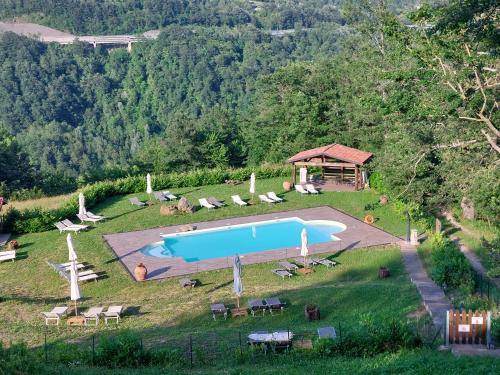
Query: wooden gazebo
point(339, 164)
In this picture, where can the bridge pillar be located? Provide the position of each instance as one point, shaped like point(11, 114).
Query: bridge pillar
point(129, 47)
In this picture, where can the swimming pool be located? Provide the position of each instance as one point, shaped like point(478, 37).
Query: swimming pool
point(243, 239)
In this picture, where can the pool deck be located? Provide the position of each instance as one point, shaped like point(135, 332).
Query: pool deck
point(126, 246)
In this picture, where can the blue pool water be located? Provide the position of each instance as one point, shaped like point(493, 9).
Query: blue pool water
point(243, 239)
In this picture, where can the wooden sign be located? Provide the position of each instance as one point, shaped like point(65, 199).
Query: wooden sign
point(463, 328)
point(477, 320)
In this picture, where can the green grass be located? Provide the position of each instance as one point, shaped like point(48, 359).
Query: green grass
point(29, 286)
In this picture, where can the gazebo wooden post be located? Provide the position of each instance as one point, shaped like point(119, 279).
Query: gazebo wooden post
point(323, 167)
point(356, 175)
point(294, 174)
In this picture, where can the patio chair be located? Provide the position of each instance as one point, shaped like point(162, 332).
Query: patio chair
point(136, 202)
point(7, 255)
point(84, 218)
point(301, 189)
point(187, 283)
point(272, 195)
point(69, 224)
point(160, 196)
point(282, 273)
point(64, 228)
point(55, 314)
point(67, 266)
point(274, 304)
point(87, 276)
point(288, 266)
point(265, 199)
point(237, 200)
point(114, 312)
point(311, 189)
point(300, 261)
point(256, 305)
point(213, 201)
point(204, 203)
point(324, 261)
point(93, 314)
point(169, 195)
point(218, 309)
point(90, 214)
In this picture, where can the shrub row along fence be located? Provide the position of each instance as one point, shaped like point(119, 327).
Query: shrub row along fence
point(39, 219)
point(127, 349)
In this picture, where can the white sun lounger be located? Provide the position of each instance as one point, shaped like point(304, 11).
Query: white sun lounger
point(64, 228)
point(265, 199)
point(114, 312)
point(93, 216)
point(214, 201)
point(204, 203)
point(56, 314)
point(324, 262)
point(160, 196)
point(93, 314)
point(282, 273)
point(301, 189)
point(311, 189)
point(169, 195)
point(274, 197)
point(67, 266)
point(88, 276)
point(7, 255)
point(136, 202)
point(237, 200)
point(288, 266)
point(87, 218)
point(68, 223)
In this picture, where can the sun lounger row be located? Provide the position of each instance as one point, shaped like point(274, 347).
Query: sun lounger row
point(68, 226)
point(7, 255)
point(271, 197)
point(306, 189)
point(287, 268)
point(92, 314)
point(164, 196)
point(255, 305)
point(64, 269)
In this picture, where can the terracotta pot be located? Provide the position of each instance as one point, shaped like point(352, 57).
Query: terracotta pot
point(383, 200)
point(140, 272)
point(311, 312)
point(13, 245)
point(287, 185)
point(384, 272)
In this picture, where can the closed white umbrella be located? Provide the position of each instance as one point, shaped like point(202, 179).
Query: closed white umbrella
point(238, 285)
point(71, 248)
point(75, 289)
point(303, 175)
point(149, 189)
point(252, 184)
point(304, 251)
point(81, 204)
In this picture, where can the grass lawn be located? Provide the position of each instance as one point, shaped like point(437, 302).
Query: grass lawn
point(29, 286)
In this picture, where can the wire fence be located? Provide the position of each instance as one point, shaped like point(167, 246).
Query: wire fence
point(486, 288)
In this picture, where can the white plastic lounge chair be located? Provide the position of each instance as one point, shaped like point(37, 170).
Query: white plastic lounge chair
point(160, 196)
point(114, 312)
point(324, 262)
point(218, 309)
point(92, 314)
point(67, 266)
point(214, 201)
point(237, 200)
point(7, 255)
point(136, 202)
point(301, 189)
point(273, 304)
point(86, 218)
point(327, 333)
point(256, 305)
point(300, 261)
point(56, 314)
point(64, 228)
point(265, 199)
point(93, 216)
point(169, 195)
point(282, 273)
point(274, 197)
point(69, 224)
point(311, 189)
point(187, 283)
point(88, 276)
point(288, 266)
point(204, 203)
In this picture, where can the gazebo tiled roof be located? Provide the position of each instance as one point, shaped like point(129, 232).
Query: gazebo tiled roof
point(334, 151)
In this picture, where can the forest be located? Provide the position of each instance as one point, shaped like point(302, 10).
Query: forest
point(216, 89)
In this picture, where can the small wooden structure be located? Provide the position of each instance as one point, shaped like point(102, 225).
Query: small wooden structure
point(467, 327)
point(338, 163)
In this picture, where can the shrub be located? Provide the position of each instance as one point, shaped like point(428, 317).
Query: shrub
point(493, 250)
point(18, 359)
point(122, 350)
point(377, 182)
point(495, 330)
point(38, 220)
point(450, 268)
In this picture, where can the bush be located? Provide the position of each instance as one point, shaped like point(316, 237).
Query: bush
point(377, 182)
point(38, 220)
point(495, 330)
point(450, 268)
point(122, 350)
point(18, 359)
point(493, 250)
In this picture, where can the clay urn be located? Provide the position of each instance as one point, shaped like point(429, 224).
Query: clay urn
point(13, 245)
point(140, 272)
point(383, 200)
point(287, 185)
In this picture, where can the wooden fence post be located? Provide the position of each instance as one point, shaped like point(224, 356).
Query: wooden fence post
point(447, 332)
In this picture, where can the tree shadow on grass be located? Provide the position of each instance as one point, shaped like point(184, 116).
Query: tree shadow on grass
point(220, 286)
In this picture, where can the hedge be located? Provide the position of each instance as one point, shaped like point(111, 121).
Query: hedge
point(39, 219)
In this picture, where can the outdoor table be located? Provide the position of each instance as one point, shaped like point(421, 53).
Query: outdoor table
point(327, 333)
